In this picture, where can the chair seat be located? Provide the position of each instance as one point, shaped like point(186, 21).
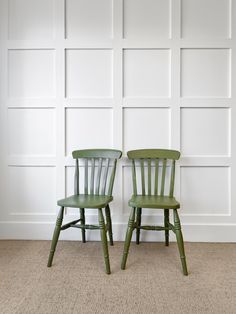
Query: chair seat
point(85, 201)
point(152, 201)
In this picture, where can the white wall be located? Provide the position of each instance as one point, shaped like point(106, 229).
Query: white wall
point(123, 74)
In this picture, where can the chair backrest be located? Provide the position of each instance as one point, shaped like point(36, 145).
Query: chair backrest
point(99, 169)
point(153, 159)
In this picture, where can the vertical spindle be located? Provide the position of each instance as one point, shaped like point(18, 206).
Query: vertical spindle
point(163, 177)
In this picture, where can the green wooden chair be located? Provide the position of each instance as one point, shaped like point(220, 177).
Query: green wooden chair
point(154, 196)
point(97, 194)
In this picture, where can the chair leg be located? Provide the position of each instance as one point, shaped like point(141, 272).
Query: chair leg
point(82, 217)
point(139, 214)
point(104, 240)
point(56, 234)
point(109, 224)
point(180, 241)
point(166, 221)
point(128, 237)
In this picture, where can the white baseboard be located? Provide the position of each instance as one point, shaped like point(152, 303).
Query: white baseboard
point(44, 231)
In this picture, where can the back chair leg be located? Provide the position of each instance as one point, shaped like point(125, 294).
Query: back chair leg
point(82, 217)
point(56, 234)
point(166, 223)
point(139, 214)
point(109, 223)
point(104, 240)
point(180, 242)
point(128, 237)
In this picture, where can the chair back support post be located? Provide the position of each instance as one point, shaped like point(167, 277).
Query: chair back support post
point(86, 176)
point(98, 176)
point(163, 176)
point(103, 191)
point(172, 178)
point(134, 177)
point(156, 176)
point(76, 178)
point(92, 176)
point(110, 189)
point(143, 177)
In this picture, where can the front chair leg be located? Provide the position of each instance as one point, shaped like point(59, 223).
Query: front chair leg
point(104, 240)
point(166, 222)
point(56, 234)
point(180, 242)
point(139, 214)
point(109, 223)
point(128, 237)
point(82, 217)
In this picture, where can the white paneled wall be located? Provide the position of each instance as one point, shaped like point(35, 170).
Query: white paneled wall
point(119, 74)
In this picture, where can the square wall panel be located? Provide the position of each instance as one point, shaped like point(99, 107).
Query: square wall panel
point(146, 73)
point(88, 73)
point(205, 190)
point(89, 19)
point(88, 128)
point(31, 131)
point(30, 19)
point(146, 19)
point(31, 73)
point(206, 19)
point(205, 131)
point(205, 72)
point(33, 190)
point(146, 128)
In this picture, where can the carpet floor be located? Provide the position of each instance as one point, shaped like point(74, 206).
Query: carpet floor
point(152, 283)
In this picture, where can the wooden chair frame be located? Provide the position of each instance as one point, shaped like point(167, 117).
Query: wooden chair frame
point(154, 198)
point(97, 194)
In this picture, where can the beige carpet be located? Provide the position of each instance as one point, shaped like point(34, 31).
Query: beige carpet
point(152, 283)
